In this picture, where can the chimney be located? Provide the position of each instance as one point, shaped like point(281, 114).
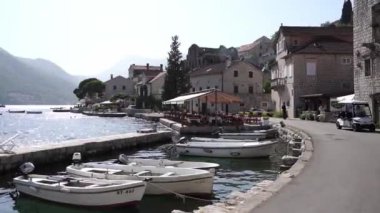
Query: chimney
point(147, 66)
point(111, 76)
point(161, 67)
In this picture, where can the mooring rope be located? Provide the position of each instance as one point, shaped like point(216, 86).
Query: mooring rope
point(182, 196)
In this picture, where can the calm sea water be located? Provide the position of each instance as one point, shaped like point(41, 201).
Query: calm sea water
point(233, 175)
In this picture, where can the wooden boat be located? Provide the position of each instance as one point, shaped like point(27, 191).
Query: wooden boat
point(161, 180)
point(226, 149)
point(81, 191)
point(61, 109)
point(33, 112)
point(134, 161)
point(243, 135)
point(111, 114)
point(16, 111)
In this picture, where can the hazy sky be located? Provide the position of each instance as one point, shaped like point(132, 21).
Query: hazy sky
point(86, 37)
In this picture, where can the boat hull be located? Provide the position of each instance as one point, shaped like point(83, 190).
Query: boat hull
point(195, 184)
point(243, 136)
point(204, 149)
point(120, 195)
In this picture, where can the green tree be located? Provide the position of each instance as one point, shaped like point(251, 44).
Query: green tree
point(89, 87)
point(346, 17)
point(177, 80)
point(267, 87)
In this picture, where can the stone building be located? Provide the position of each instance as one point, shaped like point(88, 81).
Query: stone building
point(151, 86)
point(135, 71)
point(203, 56)
point(118, 85)
point(367, 53)
point(259, 52)
point(313, 64)
point(234, 77)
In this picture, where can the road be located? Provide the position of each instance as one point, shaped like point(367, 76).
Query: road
point(343, 175)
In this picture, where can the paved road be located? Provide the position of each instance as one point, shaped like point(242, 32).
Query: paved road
point(343, 175)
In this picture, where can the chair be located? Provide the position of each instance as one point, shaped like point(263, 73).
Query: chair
point(7, 145)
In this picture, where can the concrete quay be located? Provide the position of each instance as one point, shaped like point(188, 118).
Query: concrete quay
point(50, 153)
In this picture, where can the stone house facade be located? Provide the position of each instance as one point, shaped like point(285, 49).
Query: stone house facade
point(118, 85)
point(259, 52)
point(367, 54)
point(237, 78)
point(313, 64)
point(153, 86)
point(202, 56)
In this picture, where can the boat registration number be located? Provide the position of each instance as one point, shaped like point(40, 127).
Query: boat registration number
point(127, 191)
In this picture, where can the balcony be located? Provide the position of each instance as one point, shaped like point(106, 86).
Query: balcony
point(278, 83)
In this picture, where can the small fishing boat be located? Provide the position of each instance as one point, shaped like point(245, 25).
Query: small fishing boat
point(243, 135)
point(2, 105)
point(80, 191)
point(61, 109)
point(111, 114)
point(16, 111)
point(90, 113)
point(162, 180)
point(134, 161)
point(241, 149)
point(33, 112)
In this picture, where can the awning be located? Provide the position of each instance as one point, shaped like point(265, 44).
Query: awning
point(346, 98)
point(182, 99)
point(318, 95)
point(221, 97)
point(212, 96)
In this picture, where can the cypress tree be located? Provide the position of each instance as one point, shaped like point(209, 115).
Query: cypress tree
point(177, 78)
point(346, 12)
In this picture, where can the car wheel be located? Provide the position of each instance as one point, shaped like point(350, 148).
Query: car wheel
point(356, 128)
point(338, 126)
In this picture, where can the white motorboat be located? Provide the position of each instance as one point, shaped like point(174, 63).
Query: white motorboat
point(81, 191)
point(162, 180)
point(227, 149)
point(134, 161)
point(243, 135)
point(219, 140)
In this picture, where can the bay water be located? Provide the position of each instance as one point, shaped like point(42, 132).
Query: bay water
point(50, 127)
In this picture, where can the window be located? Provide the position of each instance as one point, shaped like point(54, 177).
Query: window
point(236, 89)
point(367, 67)
point(236, 73)
point(114, 87)
point(124, 87)
point(376, 22)
point(311, 68)
point(346, 60)
point(250, 74)
point(200, 88)
point(250, 89)
point(208, 87)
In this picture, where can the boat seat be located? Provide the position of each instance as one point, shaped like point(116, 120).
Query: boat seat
point(167, 174)
point(145, 172)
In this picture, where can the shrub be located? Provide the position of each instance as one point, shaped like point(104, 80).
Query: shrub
point(303, 116)
point(277, 114)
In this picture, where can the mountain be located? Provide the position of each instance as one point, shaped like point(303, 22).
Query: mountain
point(34, 81)
point(121, 68)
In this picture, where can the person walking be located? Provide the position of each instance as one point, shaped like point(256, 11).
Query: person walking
point(284, 112)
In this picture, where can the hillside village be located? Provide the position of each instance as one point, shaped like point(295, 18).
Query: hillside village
point(306, 68)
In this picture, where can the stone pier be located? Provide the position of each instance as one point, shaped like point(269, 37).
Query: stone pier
point(50, 153)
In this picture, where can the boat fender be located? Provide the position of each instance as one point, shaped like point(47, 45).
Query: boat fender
point(14, 194)
point(123, 159)
point(77, 158)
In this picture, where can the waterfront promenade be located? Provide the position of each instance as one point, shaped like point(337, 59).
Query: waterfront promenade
point(343, 175)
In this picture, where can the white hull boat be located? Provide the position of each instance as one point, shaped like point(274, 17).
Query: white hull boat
point(218, 140)
point(161, 180)
point(227, 149)
point(243, 135)
point(81, 191)
point(134, 161)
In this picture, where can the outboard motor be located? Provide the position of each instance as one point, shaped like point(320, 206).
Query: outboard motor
point(77, 158)
point(27, 168)
point(123, 159)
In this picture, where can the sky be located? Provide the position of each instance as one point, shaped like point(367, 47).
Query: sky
point(86, 37)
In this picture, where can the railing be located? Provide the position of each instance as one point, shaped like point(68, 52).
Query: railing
point(278, 82)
